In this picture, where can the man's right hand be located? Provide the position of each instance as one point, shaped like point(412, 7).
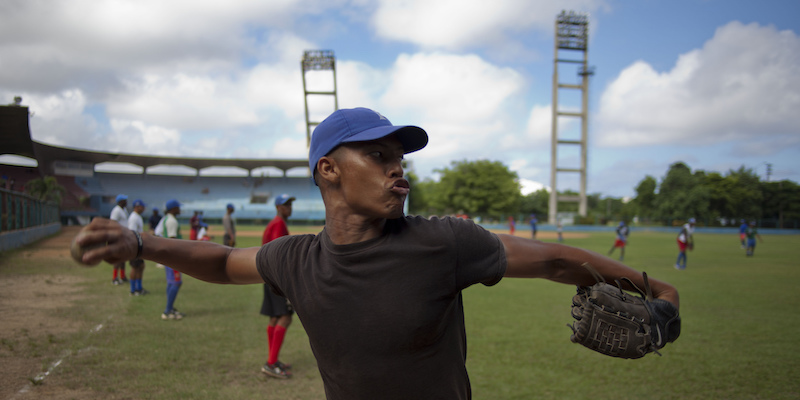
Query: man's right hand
point(104, 240)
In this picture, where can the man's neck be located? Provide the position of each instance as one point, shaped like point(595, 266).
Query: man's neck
point(353, 229)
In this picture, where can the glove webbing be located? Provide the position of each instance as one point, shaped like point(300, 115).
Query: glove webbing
point(647, 293)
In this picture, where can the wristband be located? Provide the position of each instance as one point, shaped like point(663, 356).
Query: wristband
point(139, 243)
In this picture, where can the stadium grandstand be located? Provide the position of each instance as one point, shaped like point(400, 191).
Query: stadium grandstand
point(91, 192)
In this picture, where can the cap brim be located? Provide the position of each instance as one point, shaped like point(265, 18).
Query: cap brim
point(413, 138)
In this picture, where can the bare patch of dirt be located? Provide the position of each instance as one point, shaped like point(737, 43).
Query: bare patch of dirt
point(29, 304)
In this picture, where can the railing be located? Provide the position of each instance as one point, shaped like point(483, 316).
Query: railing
point(20, 211)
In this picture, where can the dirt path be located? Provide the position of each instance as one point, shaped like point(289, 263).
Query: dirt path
point(32, 332)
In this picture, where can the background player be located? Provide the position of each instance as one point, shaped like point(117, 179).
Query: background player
point(685, 241)
point(136, 223)
point(752, 234)
point(621, 240)
point(154, 220)
point(120, 214)
point(743, 232)
point(194, 225)
point(229, 225)
point(170, 228)
point(277, 307)
point(533, 222)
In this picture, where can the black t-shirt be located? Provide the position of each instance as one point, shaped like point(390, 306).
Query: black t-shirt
point(385, 317)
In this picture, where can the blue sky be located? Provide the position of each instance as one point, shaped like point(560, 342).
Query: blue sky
point(712, 83)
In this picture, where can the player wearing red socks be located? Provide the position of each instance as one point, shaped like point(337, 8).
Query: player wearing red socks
point(276, 307)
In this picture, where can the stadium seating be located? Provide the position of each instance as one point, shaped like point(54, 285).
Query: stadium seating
point(252, 197)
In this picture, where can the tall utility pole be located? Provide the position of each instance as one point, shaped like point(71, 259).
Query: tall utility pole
point(318, 60)
point(572, 35)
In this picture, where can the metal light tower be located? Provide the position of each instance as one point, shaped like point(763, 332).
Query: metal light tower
point(317, 60)
point(572, 35)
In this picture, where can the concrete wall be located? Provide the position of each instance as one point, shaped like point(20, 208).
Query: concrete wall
point(16, 239)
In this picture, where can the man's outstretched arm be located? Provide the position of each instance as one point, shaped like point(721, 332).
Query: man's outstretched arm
point(203, 260)
point(529, 258)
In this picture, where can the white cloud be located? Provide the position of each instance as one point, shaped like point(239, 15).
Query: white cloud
point(138, 135)
point(364, 84)
point(742, 84)
point(57, 118)
point(529, 186)
point(52, 45)
point(464, 103)
point(460, 24)
point(540, 123)
point(447, 87)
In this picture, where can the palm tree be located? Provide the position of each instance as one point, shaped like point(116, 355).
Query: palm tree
point(45, 189)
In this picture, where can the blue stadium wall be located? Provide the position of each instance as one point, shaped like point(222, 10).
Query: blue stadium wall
point(252, 197)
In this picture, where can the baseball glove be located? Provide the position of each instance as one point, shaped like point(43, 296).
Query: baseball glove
point(616, 323)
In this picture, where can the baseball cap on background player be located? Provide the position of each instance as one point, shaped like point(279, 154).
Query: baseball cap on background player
point(138, 202)
point(692, 220)
point(172, 204)
point(359, 125)
point(230, 206)
point(121, 197)
point(283, 199)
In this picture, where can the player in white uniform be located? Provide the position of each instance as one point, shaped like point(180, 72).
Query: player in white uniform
point(120, 214)
point(685, 241)
point(136, 223)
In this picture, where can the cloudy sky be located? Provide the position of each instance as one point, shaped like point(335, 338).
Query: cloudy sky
point(713, 83)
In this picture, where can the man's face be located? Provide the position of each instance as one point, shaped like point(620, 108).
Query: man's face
point(372, 177)
point(285, 209)
point(138, 209)
point(123, 203)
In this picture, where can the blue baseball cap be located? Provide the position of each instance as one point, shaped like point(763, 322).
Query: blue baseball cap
point(230, 206)
point(172, 204)
point(621, 223)
point(691, 220)
point(359, 125)
point(138, 202)
point(121, 197)
point(283, 199)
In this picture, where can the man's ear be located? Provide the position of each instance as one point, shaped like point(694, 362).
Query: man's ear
point(328, 169)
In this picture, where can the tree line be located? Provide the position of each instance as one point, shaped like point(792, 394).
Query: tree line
point(488, 189)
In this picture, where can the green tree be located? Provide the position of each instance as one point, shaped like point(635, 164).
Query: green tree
point(645, 201)
point(537, 203)
point(419, 200)
point(480, 187)
point(46, 189)
point(682, 195)
point(609, 209)
point(735, 195)
point(781, 201)
point(416, 197)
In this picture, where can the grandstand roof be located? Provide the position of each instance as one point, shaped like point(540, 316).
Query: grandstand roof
point(15, 138)
point(15, 135)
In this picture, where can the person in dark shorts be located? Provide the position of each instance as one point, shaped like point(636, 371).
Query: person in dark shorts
point(278, 308)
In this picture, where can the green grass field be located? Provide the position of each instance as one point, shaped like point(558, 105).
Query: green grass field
point(740, 338)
